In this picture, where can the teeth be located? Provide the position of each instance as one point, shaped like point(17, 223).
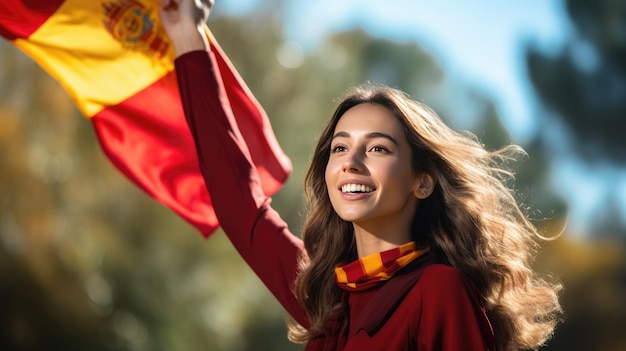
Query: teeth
point(356, 188)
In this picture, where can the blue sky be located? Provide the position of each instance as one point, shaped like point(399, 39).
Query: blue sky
point(480, 42)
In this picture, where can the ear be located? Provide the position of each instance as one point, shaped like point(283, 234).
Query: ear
point(424, 185)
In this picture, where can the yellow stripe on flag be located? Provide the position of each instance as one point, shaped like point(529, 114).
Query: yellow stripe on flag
point(97, 69)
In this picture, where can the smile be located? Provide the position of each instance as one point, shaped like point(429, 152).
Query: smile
point(356, 188)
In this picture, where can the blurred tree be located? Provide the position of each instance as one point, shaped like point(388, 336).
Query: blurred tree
point(87, 261)
point(585, 83)
point(584, 86)
point(594, 275)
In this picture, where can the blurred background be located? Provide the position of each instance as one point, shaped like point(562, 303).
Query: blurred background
point(89, 262)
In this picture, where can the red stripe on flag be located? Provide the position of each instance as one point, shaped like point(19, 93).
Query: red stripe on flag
point(271, 162)
point(146, 137)
point(19, 19)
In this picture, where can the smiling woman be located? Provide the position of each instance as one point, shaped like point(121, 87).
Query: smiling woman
point(458, 212)
point(412, 240)
point(370, 179)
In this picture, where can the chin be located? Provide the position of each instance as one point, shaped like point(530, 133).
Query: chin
point(352, 217)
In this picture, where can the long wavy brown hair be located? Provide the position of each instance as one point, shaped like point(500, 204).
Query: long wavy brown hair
point(471, 221)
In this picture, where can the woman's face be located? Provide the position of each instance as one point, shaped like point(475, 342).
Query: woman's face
point(369, 176)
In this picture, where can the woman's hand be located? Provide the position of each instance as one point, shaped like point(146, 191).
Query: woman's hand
point(183, 21)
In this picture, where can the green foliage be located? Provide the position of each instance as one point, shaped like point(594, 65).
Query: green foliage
point(594, 276)
point(585, 82)
point(584, 86)
point(88, 261)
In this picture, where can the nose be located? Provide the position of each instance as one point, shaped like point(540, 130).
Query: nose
point(353, 164)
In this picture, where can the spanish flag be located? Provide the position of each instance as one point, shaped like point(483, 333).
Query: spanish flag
point(115, 61)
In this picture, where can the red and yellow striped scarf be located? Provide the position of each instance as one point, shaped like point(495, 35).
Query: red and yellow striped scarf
point(370, 270)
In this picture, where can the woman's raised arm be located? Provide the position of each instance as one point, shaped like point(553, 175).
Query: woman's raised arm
point(243, 210)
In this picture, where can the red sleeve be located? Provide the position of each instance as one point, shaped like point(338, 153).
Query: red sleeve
point(452, 314)
point(243, 210)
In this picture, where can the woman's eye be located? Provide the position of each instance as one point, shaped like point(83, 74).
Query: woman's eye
point(337, 148)
point(379, 149)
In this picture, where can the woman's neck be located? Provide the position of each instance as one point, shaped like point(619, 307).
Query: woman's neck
point(369, 240)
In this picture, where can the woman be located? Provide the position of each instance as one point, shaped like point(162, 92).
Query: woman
point(412, 241)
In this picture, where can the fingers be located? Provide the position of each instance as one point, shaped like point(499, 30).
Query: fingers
point(168, 4)
point(181, 20)
point(198, 10)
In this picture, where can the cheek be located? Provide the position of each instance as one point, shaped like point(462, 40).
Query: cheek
point(399, 177)
point(328, 176)
point(331, 170)
point(331, 176)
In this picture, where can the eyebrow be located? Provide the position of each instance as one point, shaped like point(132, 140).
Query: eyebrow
point(372, 135)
